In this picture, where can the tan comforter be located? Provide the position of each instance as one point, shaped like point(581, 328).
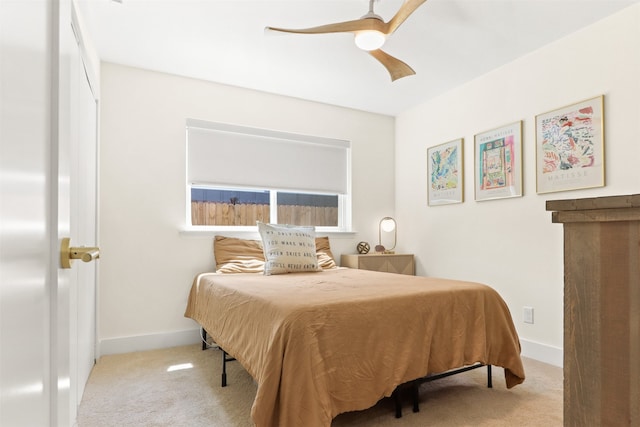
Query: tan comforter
point(319, 344)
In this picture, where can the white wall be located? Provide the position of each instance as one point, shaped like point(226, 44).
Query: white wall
point(511, 244)
point(146, 265)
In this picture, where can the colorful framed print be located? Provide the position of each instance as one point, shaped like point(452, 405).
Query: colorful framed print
point(570, 147)
point(445, 173)
point(498, 163)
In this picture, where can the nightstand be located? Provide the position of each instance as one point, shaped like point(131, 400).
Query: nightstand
point(391, 263)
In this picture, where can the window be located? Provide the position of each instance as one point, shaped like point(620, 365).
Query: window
point(238, 175)
point(307, 209)
point(227, 207)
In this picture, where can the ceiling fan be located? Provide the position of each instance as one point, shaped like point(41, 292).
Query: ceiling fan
point(370, 33)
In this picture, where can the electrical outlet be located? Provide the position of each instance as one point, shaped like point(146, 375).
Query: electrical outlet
point(527, 314)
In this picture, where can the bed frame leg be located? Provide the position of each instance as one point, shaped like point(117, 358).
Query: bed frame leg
point(204, 339)
point(415, 386)
point(415, 390)
point(224, 368)
point(397, 402)
point(225, 358)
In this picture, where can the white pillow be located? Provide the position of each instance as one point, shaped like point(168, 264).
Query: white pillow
point(288, 248)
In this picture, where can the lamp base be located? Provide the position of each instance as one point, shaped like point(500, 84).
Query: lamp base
point(388, 252)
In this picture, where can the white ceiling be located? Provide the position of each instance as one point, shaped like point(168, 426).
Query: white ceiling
point(447, 43)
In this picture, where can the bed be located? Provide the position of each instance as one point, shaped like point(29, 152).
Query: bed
point(326, 342)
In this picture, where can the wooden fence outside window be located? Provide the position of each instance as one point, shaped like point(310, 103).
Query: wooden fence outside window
point(218, 213)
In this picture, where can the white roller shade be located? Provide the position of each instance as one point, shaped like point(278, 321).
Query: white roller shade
point(220, 154)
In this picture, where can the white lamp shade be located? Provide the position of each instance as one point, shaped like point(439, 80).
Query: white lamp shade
point(369, 39)
point(388, 224)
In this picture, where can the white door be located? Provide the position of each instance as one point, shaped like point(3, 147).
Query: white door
point(27, 210)
point(39, 352)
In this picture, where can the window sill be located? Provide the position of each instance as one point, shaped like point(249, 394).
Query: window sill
point(252, 232)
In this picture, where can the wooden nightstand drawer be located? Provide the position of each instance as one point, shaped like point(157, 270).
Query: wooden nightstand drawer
point(390, 263)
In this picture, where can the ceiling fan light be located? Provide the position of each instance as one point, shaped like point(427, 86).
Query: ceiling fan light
point(369, 39)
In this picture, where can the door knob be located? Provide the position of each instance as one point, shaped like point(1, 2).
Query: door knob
point(68, 253)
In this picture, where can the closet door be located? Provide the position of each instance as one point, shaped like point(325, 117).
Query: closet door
point(84, 187)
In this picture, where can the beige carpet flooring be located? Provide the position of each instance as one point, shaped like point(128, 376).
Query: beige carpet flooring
point(180, 386)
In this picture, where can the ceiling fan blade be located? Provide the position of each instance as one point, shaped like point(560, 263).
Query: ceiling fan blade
point(339, 27)
point(407, 8)
point(397, 69)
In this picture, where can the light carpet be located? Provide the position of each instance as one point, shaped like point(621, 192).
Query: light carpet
point(180, 386)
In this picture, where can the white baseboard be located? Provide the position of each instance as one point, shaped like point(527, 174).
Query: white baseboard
point(148, 342)
point(531, 349)
point(542, 352)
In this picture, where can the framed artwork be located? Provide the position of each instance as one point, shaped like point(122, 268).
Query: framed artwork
point(445, 173)
point(570, 147)
point(498, 163)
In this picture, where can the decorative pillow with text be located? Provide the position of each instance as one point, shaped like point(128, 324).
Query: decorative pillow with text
point(288, 248)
